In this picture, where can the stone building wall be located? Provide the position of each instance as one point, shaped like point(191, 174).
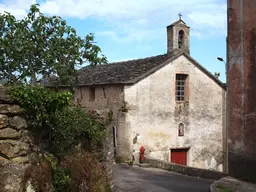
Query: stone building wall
point(108, 101)
point(173, 36)
point(153, 116)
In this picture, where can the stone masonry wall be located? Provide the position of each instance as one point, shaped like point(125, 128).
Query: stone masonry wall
point(15, 145)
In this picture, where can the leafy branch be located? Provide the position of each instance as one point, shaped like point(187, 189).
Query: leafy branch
point(38, 46)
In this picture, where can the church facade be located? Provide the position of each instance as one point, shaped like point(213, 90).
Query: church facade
point(168, 103)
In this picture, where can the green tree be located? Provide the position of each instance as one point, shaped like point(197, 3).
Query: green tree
point(38, 46)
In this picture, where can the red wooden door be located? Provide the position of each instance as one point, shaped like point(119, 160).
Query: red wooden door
point(179, 156)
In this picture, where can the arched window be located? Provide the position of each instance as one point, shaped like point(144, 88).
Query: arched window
point(181, 130)
point(181, 38)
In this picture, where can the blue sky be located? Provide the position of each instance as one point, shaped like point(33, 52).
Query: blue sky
point(137, 28)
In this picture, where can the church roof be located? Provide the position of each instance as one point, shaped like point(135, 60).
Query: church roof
point(177, 22)
point(124, 72)
point(132, 71)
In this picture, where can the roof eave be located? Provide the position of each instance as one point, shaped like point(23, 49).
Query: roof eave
point(176, 22)
point(209, 74)
point(89, 84)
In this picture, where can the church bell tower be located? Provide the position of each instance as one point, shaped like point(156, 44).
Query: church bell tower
point(178, 36)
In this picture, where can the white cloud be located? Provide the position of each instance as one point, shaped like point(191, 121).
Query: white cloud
point(51, 7)
point(16, 7)
point(131, 35)
point(134, 20)
point(206, 18)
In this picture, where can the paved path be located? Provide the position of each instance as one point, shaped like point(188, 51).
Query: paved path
point(137, 179)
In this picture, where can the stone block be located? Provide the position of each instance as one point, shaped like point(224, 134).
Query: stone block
point(23, 160)
point(3, 161)
point(3, 121)
point(12, 149)
point(9, 109)
point(18, 122)
point(9, 133)
point(4, 97)
point(12, 178)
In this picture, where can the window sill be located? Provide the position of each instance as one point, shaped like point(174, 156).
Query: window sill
point(182, 101)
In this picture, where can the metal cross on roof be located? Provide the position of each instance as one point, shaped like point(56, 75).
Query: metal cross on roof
point(180, 15)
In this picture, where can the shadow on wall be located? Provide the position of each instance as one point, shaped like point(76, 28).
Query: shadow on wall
point(242, 165)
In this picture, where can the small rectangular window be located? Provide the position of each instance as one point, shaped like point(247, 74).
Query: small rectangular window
point(114, 135)
point(92, 93)
point(181, 92)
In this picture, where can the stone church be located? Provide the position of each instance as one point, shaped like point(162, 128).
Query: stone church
point(168, 103)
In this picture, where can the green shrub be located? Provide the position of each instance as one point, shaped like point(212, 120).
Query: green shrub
point(73, 125)
point(39, 104)
point(62, 181)
point(66, 127)
point(53, 113)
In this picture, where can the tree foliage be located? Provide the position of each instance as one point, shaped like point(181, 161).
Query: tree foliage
point(38, 46)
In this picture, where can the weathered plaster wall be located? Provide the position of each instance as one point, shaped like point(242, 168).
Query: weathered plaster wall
point(153, 115)
point(108, 98)
point(241, 78)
